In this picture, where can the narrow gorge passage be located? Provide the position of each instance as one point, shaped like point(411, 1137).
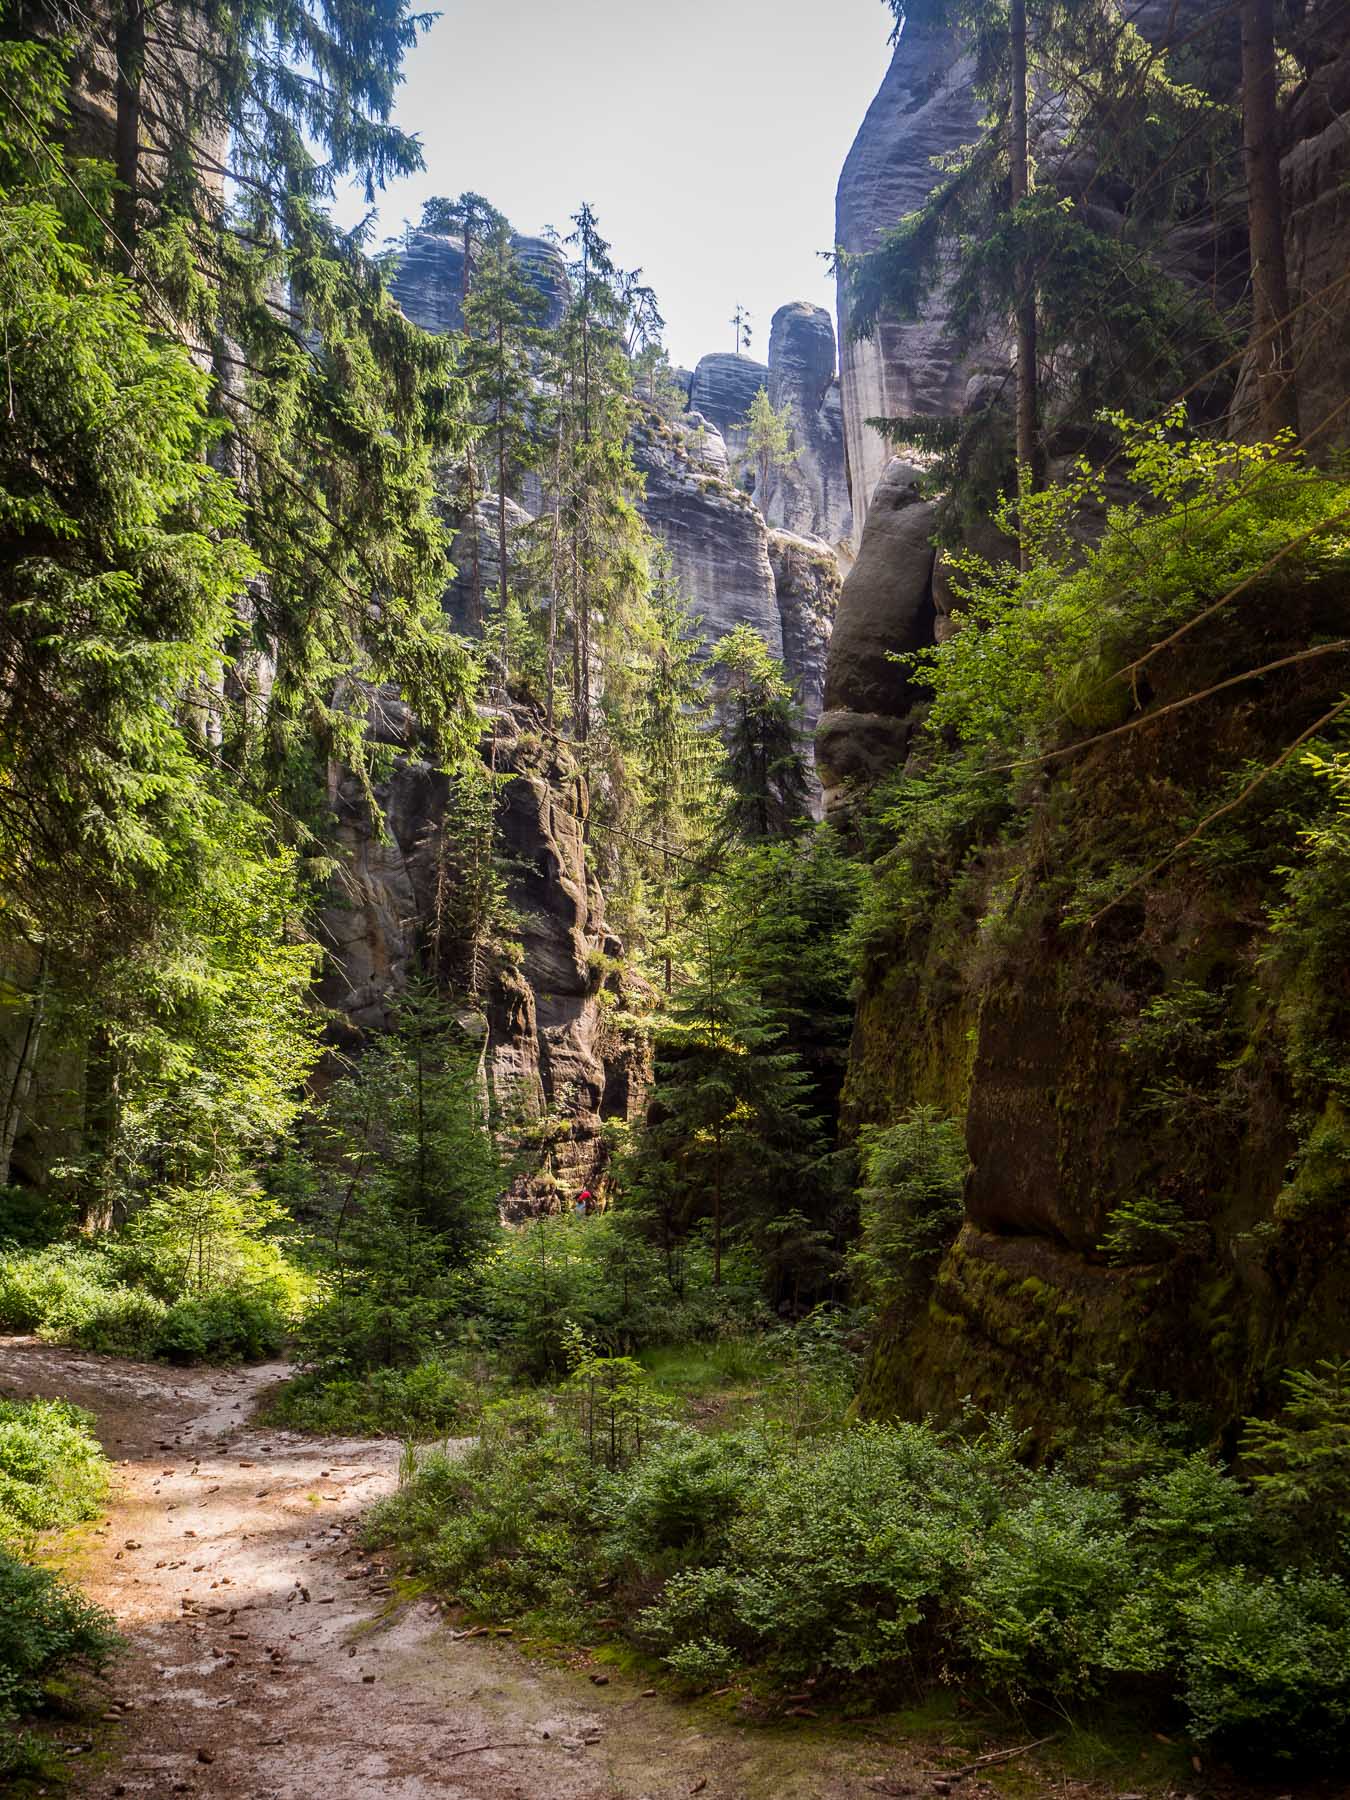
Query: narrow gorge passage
point(268, 1660)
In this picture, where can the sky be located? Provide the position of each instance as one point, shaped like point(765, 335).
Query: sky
point(707, 134)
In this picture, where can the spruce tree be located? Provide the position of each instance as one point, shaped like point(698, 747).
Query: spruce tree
point(763, 768)
point(1097, 314)
point(503, 323)
point(729, 1125)
point(768, 442)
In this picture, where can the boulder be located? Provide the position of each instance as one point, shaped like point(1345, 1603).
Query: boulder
point(885, 606)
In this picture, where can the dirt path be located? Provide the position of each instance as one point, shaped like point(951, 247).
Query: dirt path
point(269, 1661)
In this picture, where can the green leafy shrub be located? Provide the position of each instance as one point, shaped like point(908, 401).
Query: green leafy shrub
point(431, 1399)
point(701, 1663)
point(1267, 1666)
point(52, 1471)
point(221, 1326)
point(44, 1625)
point(878, 1558)
point(76, 1294)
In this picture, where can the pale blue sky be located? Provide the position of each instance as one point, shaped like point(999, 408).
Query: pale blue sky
point(707, 134)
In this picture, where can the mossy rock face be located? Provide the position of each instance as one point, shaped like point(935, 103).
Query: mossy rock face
point(1156, 1049)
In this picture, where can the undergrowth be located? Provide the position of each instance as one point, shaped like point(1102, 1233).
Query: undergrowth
point(112, 1298)
point(52, 1475)
point(874, 1562)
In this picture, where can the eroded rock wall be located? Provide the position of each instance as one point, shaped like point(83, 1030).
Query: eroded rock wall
point(924, 108)
point(555, 1066)
point(1013, 997)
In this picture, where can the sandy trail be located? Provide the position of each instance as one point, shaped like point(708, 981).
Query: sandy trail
point(269, 1660)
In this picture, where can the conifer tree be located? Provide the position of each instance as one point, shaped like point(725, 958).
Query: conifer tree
point(601, 540)
point(763, 769)
point(769, 441)
point(1016, 255)
point(504, 337)
point(472, 218)
point(729, 1121)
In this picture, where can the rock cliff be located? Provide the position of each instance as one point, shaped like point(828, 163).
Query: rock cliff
point(809, 496)
point(555, 1067)
point(989, 1001)
point(429, 280)
point(923, 109)
point(1160, 1055)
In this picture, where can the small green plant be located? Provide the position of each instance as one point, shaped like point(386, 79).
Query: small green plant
point(434, 1398)
point(1301, 1461)
point(1150, 1229)
point(701, 1663)
point(52, 1471)
point(45, 1625)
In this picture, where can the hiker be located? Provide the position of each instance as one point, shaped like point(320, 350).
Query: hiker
point(583, 1205)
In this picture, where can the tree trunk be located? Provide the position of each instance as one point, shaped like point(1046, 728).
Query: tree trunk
point(25, 1058)
point(1028, 421)
point(1277, 387)
point(129, 49)
point(555, 571)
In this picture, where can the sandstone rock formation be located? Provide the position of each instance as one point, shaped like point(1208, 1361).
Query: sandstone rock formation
point(717, 540)
point(885, 606)
point(1316, 175)
point(722, 389)
point(810, 496)
point(806, 585)
point(429, 280)
point(924, 108)
point(553, 1063)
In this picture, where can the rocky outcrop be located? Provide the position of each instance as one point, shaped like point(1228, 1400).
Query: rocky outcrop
point(718, 543)
point(428, 282)
point(554, 1065)
point(1155, 1054)
point(806, 587)
point(1316, 172)
point(722, 390)
point(809, 496)
point(924, 108)
point(885, 607)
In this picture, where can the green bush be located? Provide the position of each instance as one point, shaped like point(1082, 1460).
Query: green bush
point(1267, 1669)
point(878, 1558)
point(432, 1399)
point(78, 1294)
point(52, 1471)
point(224, 1326)
point(44, 1624)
